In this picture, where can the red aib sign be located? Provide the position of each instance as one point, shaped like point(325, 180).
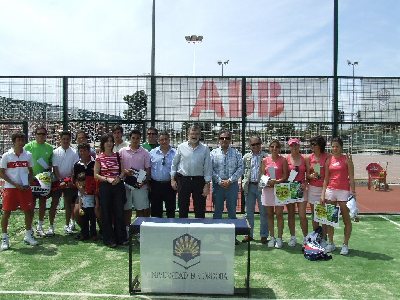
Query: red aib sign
point(265, 95)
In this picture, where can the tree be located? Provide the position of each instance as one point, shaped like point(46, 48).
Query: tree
point(137, 106)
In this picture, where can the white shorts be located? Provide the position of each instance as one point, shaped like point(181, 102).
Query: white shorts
point(314, 194)
point(268, 197)
point(337, 195)
point(137, 198)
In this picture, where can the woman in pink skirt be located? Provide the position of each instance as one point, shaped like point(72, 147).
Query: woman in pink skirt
point(280, 166)
point(338, 186)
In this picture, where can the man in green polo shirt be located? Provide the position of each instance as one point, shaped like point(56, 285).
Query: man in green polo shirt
point(42, 154)
point(152, 139)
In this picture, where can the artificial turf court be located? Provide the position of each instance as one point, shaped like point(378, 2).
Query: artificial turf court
point(63, 268)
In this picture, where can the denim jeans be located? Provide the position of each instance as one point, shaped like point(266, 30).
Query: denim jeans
point(254, 194)
point(231, 196)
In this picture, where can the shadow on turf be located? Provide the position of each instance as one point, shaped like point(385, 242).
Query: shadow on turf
point(262, 293)
point(353, 252)
point(369, 255)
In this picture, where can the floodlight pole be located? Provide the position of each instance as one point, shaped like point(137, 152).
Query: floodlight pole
point(353, 64)
point(194, 39)
point(221, 63)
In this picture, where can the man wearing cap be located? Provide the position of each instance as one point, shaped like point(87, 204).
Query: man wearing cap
point(251, 163)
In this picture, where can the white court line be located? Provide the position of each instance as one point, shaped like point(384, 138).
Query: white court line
point(391, 221)
point(107, 296)
point(66, 294)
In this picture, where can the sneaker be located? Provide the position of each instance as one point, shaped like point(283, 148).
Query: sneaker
point(264, 240)
point(5, 243)
point(28, 239)
point(40, 231)
point(330, 247)
point(304, 240)
point(271, 243)
point(50, 231)
point(292, 241)
point(279, 243)
point(345, 250)
point(68, 230)
point(72, 225)
point(323, 243)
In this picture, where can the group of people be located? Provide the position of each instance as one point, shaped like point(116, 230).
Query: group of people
point(105, 187)
point(324, 178)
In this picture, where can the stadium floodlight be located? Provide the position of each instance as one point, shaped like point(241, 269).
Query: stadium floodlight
point(353, 113)
point(222, 63)
point(194, 39)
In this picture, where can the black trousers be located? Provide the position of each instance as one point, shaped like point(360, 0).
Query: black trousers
point(112, 200)
point(191, 185)
point(162, 192)
point(88, 222)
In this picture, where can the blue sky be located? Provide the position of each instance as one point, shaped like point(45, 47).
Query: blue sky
point(259, 37)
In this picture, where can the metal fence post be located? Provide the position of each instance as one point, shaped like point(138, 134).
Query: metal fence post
point(65, 103)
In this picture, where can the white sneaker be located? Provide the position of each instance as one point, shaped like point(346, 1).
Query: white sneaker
point(323, 243)
point(345, 250)
point(72, 225)
point(40, 231)
point(279, 243)
point(292, 241)
point(5, 243)
point(28, 239)
point(68, 230)
point(50, 231)
point(271, 243)
point(330, 247)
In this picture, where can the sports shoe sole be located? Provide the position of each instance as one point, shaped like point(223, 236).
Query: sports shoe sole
point(28, 243)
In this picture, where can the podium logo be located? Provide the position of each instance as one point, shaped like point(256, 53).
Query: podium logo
point(186, 250)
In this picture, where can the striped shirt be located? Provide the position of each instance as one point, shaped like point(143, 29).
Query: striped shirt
point(109, 166)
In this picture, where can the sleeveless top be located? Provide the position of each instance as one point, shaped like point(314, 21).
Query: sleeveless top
point(301, 169)
point(339, 173)
point(277, 165)
point(313, 161)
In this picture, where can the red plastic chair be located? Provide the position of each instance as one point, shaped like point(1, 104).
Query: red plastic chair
point(376, 176)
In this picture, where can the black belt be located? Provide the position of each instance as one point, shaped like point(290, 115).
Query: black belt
point(190, 177)
point(157, 181)
point(253, 182)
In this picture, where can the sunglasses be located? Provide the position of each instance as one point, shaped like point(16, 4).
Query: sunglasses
point(296, 168)
point(255, 144)
point(151, 133)
point(40, 133)
point(313, 144)
point(225, 138)
point(163, 161)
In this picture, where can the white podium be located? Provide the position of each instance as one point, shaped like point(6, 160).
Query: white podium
point(187, 258)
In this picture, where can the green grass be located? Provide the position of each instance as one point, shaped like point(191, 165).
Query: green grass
point(62, 264)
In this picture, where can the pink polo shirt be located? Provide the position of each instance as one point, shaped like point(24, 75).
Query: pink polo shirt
point(138, 159)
